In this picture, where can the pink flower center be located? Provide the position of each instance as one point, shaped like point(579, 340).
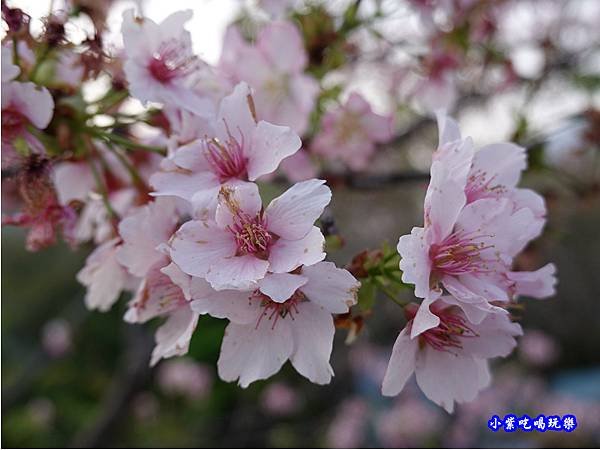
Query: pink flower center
point(13, 123)
point(274, 310)
point(458, 254)
point(449, 333)
point(479, 186)
point(172, 60)
point(227, 158)
point(251, 235)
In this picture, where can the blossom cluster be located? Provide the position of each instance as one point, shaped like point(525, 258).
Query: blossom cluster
point(476, 222)
point(179, 218)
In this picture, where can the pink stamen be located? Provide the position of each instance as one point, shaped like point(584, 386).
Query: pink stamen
point(172, 60)
point(251, 235)
point(278, 310)
point(449, 333)
point(478, 186)
point(460, 253)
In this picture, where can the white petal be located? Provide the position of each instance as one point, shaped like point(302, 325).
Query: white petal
point(332, 288)
point(446, 377)
point(424, 319)
point(198, 246)
point(238, 306)
point(235, 115)
point(237, 272)
point(173, 337)
point(286, 255)
point(280, 286)
point(103, 276)
point(402, 364)
point(270, 145)
point(313, 330)
point(292, 214)
point(235, 198)
point(142, 232)
point(415, 263)
point(253, 353)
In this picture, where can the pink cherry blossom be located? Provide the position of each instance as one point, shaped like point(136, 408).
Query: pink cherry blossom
point(442, 358)
point(287, 316)
point(351, 132)
point(185, 377)
point(476, 222)
point(23, 105)
point(234, 149)
point(244, 241)
point(103, 276)
point(274, 67)
point(160, 64)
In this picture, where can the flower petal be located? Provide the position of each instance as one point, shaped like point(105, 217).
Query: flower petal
point(173, 337)
point(253, 353)
point(286, 255)
point(313, 330)
point(330, 287)
point(280, 286)
point(402, 364)
point(198, 246)
point(270, 145)
point(293, 213)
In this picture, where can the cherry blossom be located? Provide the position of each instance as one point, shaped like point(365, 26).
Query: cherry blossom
point(288, 316)
point(274, 67)
point(23, 104)
point(476, 222)
point(103, 276)
point(160, 65)
point(244, 242)
point(350, 133)
point(235, 148)
point(442, 358)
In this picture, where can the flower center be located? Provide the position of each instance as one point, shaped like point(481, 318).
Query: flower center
point(479, 186)
point(449, 333)
point(172, 60)
point(226, 158)
point(458, 254)
point(274, 310)
point(251, 235)
point(13, 123)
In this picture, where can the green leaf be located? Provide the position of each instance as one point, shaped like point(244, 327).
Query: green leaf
point(366, 294)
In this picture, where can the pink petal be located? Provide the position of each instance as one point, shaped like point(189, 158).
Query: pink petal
point(103, 276)
point(237, 272)
point(235, 115)
point(242, 197)
point(270, 145)
point(238, 306)
point(198, 246)
point(540, 283)
point(495, 337)
point(415, 263)
point(253, 353)
point(441, 376)
point(401, 366)
point(332, 288)
point(280, 286)
point(157, 295)
point(313, 331)
point(449, 132)
point(446, 200)
point(424, 319)
point(173, 337)
point(503, 163)
point(286, 255)
point(142, 232)
point(292, 214)
point(282, 44)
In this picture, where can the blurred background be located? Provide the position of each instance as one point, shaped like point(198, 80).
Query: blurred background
point(71, 377)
